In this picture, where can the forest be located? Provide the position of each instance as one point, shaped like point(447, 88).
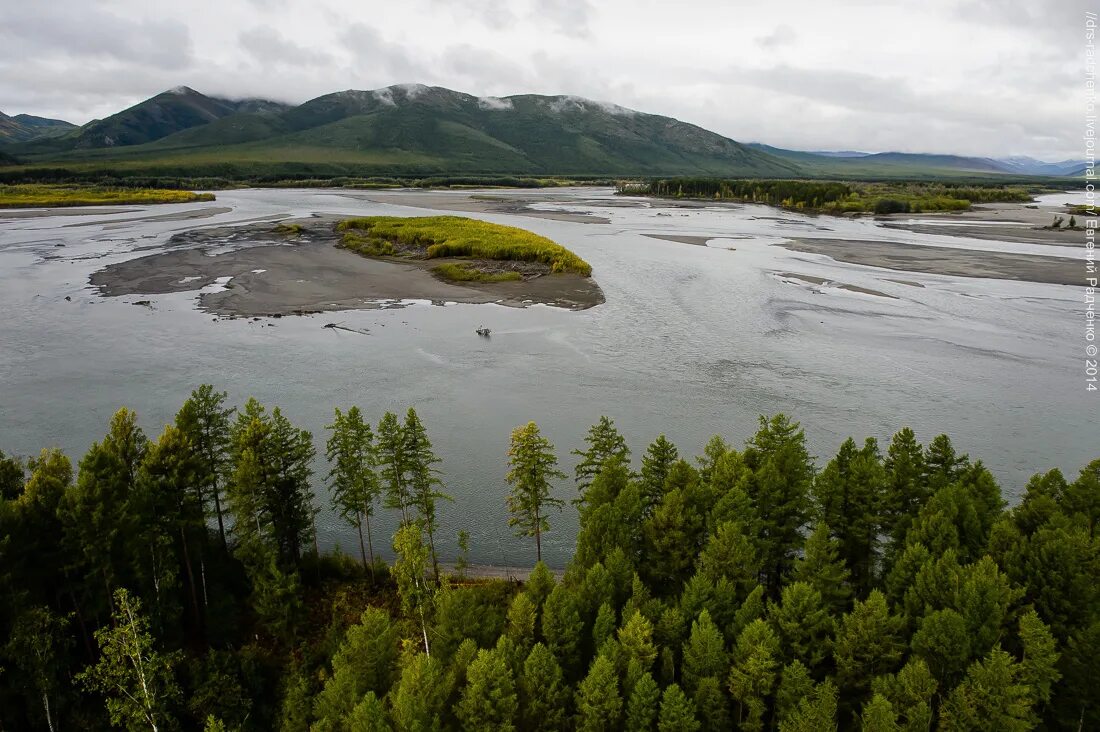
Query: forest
point(837, 197)
point(174, 582)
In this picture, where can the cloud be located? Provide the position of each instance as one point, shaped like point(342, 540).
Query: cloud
point(972, 76)
point(267, 46)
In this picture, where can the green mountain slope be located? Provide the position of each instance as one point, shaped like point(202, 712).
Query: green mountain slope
point(888, 164)
point(409, 128)
point(26, 127)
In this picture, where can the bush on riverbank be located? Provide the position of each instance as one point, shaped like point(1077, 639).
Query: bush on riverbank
point(456, 236)
point(454, 272)
point(42, 196)
point(835, 197)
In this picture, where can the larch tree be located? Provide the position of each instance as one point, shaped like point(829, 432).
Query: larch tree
point(353, 483)
point(604, 443)
point(394, 465)
point(423, 479)
point(657, 463)
point(205, 420)
point(532, 465)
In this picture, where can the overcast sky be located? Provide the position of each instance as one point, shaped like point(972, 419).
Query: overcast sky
point(975, 77)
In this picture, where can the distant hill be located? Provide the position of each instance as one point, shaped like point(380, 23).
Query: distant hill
point(1031, 166)
point(890, 163)
point(412, 129)
point(26, 127)
point(409, 128)
point(168, 112)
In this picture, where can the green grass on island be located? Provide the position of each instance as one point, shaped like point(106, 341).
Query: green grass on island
point(430, 237)
point(48, 196)
point(458, 272)
point(837, 197)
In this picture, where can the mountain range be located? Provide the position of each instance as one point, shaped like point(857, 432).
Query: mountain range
point(417, 129)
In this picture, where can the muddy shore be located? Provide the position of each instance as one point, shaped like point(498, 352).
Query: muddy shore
point(945, 261)
point(274, 274)
point(1016, 222)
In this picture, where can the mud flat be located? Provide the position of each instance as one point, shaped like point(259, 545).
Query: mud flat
point(483, 203)
point(1015, 222)
point(944, 260)
point(271, 273)
point(823, 282)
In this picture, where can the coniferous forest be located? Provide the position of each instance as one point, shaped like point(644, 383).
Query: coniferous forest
point(173, 582)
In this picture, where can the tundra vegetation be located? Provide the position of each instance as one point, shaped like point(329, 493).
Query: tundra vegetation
point(836, 197)
point(431, 237)
point(42, 196)
point(174, 582)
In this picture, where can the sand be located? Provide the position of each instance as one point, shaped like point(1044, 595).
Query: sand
point(822, 281)
point(481, 203)
point(274, 275)
point(946, 261)
point(1015, 222)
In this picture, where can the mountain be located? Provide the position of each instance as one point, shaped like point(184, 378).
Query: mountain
point(26, 127)
point(407, 128)
point(1031, 166)
point(168, 112)
point(888, 163)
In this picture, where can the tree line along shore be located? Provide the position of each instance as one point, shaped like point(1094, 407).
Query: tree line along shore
point(175, 583)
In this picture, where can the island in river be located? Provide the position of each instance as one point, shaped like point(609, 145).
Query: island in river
point(297, 266)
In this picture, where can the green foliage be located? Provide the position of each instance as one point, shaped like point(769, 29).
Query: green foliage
point(677, 712)
point(544, 692)
point(136, 679)
point(489, 701)
point(456, 236)
point(353, 484)
point(835, 197)
point(599, 706)
point(365, 662)
point(50, 196)
point(461, 272)
point(532, 465)
point(604, 444)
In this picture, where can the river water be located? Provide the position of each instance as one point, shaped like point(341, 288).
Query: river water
point(692, 341)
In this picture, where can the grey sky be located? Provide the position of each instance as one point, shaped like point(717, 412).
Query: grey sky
point(976, 77)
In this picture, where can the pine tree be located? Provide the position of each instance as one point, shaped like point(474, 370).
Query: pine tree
point(990, 697)
point(942, 466)
point(489, 701)
point(814, 713)
point(677, 712)
point(867, 645)
point(545, 694)
point(803, 624)
point(418, 701)
point(1039, 666)
point(604, 443)
point(753, 674)
point(641, 709)
point(353, 484)
point(137, 680)
point(532, 466)
point(822, 568)
point(205, 421)
point(910, 693)
point(12, 477)
point(782, 472)
point(394, 463)
point(599, 706)
point(906, 491)
point(636, 640)
point(729, 554)
point(562, 627)
point(673, 538)
point(657, 462)
point(849, 493)
point(364, 663)
point(878, 716)
point(795, 684)
point(943, 642)
point(704, 653)
point(522, 617)
point(712, 707)
point(423, 480)
point(369, 715)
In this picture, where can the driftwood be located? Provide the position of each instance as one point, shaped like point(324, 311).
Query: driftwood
point(340, 326)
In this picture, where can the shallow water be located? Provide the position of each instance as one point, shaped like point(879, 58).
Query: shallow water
point(692, 341)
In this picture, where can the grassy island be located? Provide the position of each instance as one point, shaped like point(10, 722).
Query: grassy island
point(49, 196)
point(485, 245)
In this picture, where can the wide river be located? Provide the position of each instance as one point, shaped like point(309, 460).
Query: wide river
point(692, 341)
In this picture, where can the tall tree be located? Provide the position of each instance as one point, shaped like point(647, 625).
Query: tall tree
point(657, 462)
point(409, 570)
point(37, 648)
point(822, 568)
point(544, 692)
point(604, 443)
point(394, 464)
point(532, 465)
point(677, 712)
point(353, 484)
point(137, 680)
point(489, 701)
point(753, 674)
point(12, 477)
point(423, 479)
point(599, 706)
point(205, 420)
point(782, 472)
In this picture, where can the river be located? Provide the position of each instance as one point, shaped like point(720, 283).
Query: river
point(692, 341)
